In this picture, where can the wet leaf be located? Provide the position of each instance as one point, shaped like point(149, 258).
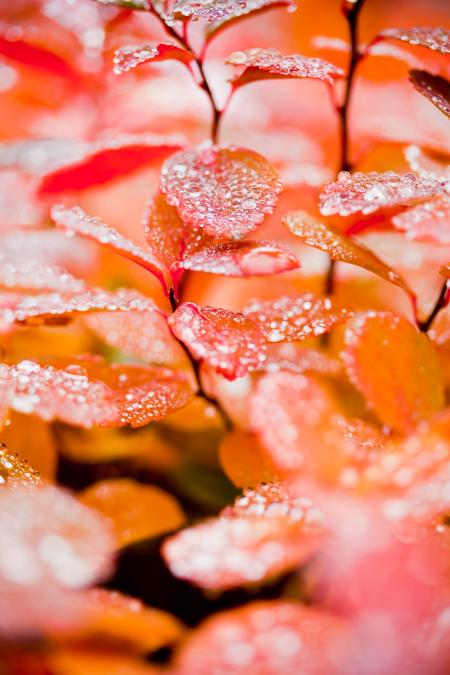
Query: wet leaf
point(224, 190)
point(242, 259)
point(314, 233)
point(262, 64)
point(128, 58)
point(241, 10)
point(429, 221)
point(368, 192)
point(106, 161)
point(244, 547)
point(406, 385)
point(37, 57)
point(434, 38)
point(117, 619)
point(54, 307)
point(88, 393)
point(228, 341)
point(435, 88)
point(210, 11)
point(37, 276)
point(15, 471)
point(291, 319)
point(135, 511)
point(267, 638)
point(76, 221)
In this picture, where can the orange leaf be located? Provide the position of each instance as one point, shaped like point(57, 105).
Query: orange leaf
point(292, 319)
point(224, 190)
point(245, 461)
point(395, 367)
point(339, 247)
point(135, 511)
point(15, 471)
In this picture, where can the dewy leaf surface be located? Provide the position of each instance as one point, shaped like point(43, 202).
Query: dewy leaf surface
point(128, 58)
point(271, 637)
point(228, 341)
point(14, 471)
point(242, 259)
point(225, 190)
point(76, 221)
point(248, 9)
point(368, 192)
point(314, 233)
point(53, 306)
point(87, 393)
point(291, 319)
point(260, 64)
point(435, 38)
point(435, 88)
point(37, 276)
point(210, 11)
point(429, 221)
point(107, 160)
point(395, 367)
point(247, 545)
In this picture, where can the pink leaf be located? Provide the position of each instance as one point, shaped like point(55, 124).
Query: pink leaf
point(228, 341)
point(242, 10)
point(88, 393)
point(291, 319)
point(436, 89)
point(339, 247)
point(271, 637)
point(242, 259)
point(106, 161)
point(368, 192)
point(264, 64)
point(429, 221)
point(266, 533)
point(127, 58)
point(37, 276)
point(52, 307)
point(291, 357)
point(76, 221)
point(225, 190)
point(425, 164)
point(436, 39)
point(210, 11)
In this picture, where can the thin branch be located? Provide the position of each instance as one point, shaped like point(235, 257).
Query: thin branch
point(440, 303)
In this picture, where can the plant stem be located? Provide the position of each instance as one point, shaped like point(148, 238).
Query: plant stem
point(351, 12)
point(440, 303)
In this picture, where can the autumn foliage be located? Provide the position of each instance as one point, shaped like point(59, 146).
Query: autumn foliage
point(224, 334)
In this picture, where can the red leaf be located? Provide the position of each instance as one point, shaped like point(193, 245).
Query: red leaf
point(264, 64)
point(49, 308)
point(406, 385)
point(107, 161)
point(339, 247)
point(38, 57)
point(127, 58)
point(14, 471)
point(76, 221)
point(228, 341)
point(436, 89)
point(37, 276)
point(89, 393)
point(267, 638)
point(241, 259)
point(368, 192)
point(241, 10)
point(248, 545)
point(291, 319)
point(225, 190)
point(429, 221)
point(435, 38)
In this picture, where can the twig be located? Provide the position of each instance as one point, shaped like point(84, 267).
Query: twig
point(440, 303)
